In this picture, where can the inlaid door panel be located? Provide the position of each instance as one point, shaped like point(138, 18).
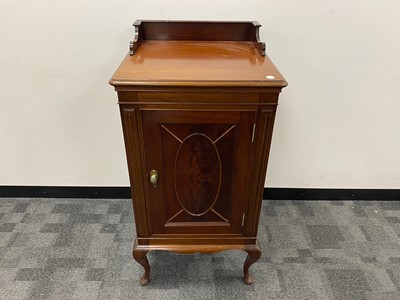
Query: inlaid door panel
point(202, 163)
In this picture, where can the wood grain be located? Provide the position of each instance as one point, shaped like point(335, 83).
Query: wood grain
point(197, 63)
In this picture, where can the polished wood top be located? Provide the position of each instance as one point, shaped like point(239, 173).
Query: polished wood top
point(197, 63)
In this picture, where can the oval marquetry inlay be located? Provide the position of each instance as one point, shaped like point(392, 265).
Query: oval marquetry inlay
point(197, 174)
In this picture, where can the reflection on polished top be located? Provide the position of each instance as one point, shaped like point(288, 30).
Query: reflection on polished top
point(195, 63)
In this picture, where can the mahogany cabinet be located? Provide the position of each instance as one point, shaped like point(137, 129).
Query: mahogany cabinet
point(197, 102)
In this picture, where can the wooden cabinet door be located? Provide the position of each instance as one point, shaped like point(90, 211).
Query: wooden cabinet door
point(202, 159)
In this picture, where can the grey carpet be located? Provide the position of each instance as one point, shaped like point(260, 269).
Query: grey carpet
point(81, 249)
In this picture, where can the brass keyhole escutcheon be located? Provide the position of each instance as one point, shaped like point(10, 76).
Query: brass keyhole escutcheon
point(154, 177)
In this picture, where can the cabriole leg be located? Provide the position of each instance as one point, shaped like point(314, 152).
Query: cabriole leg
point(140, 256)
point(253, 254)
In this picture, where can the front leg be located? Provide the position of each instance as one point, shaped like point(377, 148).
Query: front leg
point(253, 254)
point(139, 254)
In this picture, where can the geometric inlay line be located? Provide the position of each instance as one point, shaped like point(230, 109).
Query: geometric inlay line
point(222, 135)
point(219, 215)
point(174, 216)
point(167, 130)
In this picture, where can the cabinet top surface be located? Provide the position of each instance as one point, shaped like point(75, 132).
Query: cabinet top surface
point(197, 63)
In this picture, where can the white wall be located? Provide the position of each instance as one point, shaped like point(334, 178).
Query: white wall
point(338, 123)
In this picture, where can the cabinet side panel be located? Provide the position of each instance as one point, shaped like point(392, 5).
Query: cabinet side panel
point(131, 123)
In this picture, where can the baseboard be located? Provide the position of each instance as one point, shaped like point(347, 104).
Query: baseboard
point(93, 192)
point(331, 194)
point(269, 193)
